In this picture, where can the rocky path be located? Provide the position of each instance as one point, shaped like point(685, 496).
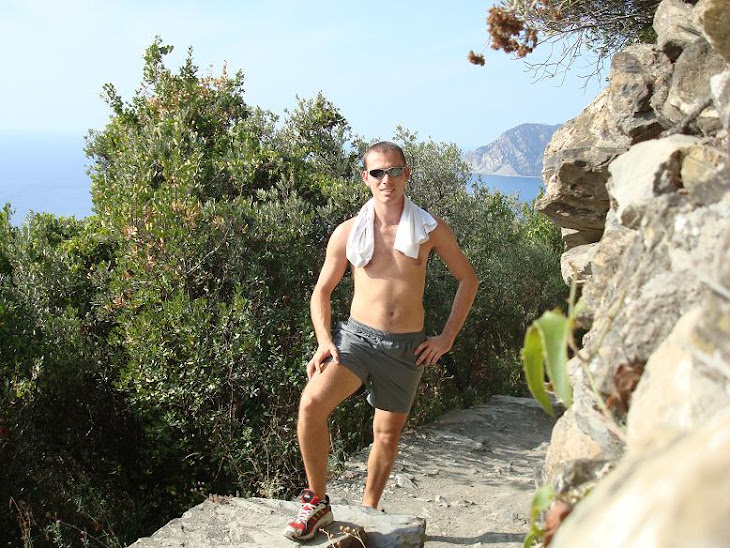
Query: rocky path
point(471, 474)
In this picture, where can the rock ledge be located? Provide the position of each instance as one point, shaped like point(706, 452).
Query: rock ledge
point(255, 522)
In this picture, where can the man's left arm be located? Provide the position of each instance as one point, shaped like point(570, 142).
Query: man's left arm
point(446, 247)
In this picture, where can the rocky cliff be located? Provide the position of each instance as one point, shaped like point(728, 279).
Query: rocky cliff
point(517, 152)
point(640, 184)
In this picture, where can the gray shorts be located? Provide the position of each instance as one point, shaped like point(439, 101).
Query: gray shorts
point(384, 361)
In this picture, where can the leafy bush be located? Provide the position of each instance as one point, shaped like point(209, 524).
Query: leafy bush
point(224, 220)
point(67, 438)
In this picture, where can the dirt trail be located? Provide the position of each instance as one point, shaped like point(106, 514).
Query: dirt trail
point(470, 474)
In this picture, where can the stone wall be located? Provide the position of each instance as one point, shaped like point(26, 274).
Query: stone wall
point(640, 184)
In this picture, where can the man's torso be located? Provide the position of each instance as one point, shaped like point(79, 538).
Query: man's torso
point(389, 289)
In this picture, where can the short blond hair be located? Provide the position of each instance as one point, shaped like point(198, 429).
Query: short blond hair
point(383, 147)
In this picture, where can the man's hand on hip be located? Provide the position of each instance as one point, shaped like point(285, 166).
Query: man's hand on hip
point(430, 350)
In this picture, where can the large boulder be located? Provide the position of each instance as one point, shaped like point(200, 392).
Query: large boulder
point(575, 164)
point(638, 74)
point(652, 380)
point(642, 281)
point(672, 497)
point(580, 433)
point(252, 523)
point(675, 27)
point(690, 89)
point(669, 209)
point(680, 390)
point(713, 19)
point(645, 171)
point(648, 94)
point(575, 168)
point(648, 281)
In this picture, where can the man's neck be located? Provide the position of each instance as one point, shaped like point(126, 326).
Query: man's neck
point(389, 214)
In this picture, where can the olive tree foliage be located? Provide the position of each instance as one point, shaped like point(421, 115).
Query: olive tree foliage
point(67, 440)
point(223, 219)
point(568, 28)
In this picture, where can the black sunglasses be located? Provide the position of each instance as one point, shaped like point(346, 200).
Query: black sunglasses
point(391, 171)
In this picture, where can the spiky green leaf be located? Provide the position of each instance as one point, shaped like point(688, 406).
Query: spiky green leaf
point(533, 360)
point(555, 330)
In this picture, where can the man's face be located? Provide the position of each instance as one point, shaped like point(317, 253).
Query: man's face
point(388, 188)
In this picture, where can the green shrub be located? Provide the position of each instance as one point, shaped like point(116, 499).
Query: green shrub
point(67, 443)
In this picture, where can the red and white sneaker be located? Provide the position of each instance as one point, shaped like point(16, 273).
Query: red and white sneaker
point(313, 515)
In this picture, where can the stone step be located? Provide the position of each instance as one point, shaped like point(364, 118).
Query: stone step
point(246, 523)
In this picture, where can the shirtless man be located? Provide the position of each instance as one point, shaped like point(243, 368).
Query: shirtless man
point(383, 342)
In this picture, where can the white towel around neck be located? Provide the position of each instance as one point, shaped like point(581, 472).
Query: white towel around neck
point(413, 228)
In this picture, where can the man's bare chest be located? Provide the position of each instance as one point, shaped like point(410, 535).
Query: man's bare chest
point(387, 260)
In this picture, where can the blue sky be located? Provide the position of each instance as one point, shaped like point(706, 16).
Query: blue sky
point(383, 63)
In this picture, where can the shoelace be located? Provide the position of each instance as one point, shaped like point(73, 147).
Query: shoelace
point(304, 512)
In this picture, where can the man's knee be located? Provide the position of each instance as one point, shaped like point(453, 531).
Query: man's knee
point(387, 437)
point(316, 404)
point(323, 394)
point(310, 407)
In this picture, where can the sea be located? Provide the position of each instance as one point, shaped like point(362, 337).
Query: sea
point(44, 175)
point(525, 189)
point(48, 174)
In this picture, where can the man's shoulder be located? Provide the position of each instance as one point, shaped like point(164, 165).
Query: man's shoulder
point(439, 220)
point(442, 237)
point(341, 233)
point(343, 229)
point(441, 226)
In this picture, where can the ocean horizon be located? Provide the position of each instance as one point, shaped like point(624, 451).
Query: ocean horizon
point(44, 174)
point(48, 175)
point(526, 189)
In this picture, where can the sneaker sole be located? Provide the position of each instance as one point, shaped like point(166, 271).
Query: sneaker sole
point(291, 533)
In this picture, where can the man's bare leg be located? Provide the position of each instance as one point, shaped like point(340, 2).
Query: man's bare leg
point(387, 427)
point(324, 392)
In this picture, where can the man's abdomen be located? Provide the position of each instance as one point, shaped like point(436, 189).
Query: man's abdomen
point(389, 308)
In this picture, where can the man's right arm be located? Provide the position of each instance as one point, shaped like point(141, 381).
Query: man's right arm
point(320, 306)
